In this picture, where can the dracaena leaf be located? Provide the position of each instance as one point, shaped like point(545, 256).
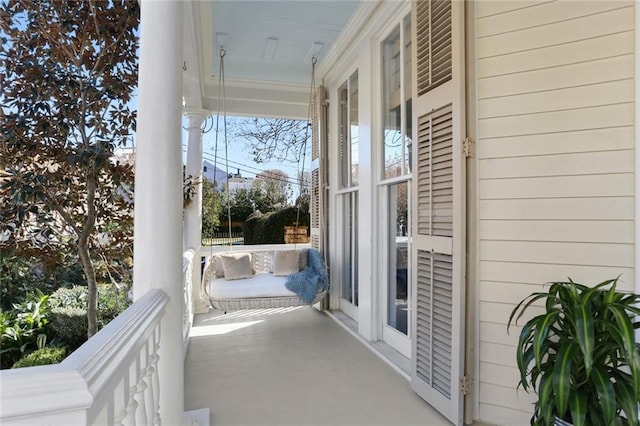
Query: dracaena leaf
point(540, 335)
point(562, 376)
point(606, 395)
point(578, 408)
point(584, 334)
point(626, 400)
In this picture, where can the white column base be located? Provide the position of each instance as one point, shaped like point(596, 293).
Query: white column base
point(199, 417)
point(201, 306)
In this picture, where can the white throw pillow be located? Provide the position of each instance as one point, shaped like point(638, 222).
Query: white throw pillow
point(217, 266)
point(285, 262)
point(237, 266)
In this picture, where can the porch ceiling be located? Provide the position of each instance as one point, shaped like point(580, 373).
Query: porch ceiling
point(269, 45)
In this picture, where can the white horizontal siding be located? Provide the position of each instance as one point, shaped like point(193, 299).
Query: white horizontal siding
point(607, 162)
point(553, 13)
point(555, 158)
point(501, 415)
point(591, 140)
point(608, 185)
point(609, 22)
point(580, 97)
point(580, 231)
point(602, 70)
point(570, 208)
point(498, 354)
point(617, 44)
point(515, 273)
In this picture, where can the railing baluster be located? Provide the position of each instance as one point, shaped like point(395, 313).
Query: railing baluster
point(148, 380)
point(120, 401)
point(112, 379)
point(155, 378)
point(132, 404)
point(141, 386)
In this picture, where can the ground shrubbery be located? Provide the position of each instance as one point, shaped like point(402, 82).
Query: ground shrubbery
point(44, 356)
point(269, 228)
point(41, 327)
point(24, 329)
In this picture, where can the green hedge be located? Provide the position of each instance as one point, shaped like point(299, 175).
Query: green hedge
point(44, 356)
point(269, 228)
point(250, 226)
point(70, 325)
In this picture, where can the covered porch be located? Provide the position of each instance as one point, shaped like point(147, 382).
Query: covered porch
point(293, 366)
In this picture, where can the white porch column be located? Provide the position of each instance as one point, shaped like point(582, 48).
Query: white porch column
point(158, 189)
point(193, 212)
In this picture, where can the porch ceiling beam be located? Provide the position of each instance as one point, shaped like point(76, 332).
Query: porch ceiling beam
point(260, 99)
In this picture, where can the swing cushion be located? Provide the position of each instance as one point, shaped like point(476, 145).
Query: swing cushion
point(259, 285)
point(237, 266)
point(218, 269)
point(286, 262)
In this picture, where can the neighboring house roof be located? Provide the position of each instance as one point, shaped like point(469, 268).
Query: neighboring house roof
point(213, 173)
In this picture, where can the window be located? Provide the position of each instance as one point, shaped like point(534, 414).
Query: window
point(347, 197)
point(349, 138)
point(396, 100)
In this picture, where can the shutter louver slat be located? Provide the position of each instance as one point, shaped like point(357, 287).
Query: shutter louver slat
point(433, 44)
point(434, 320)
point(435, 173)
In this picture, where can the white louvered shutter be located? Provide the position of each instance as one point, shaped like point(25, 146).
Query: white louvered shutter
point(439, 193)
point(318, 172)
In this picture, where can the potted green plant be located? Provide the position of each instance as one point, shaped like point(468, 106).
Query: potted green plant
point(580, 356)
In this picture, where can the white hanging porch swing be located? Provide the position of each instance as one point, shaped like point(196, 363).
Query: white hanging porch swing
point(245, 277)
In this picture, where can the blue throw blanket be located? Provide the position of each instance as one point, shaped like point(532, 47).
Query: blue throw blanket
point(311, 280)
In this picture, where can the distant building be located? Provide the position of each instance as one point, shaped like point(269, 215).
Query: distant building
point(214, 173)
point(125, 155)
point(237, 182)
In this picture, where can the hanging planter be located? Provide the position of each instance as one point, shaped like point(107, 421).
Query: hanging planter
point(296, 234)
point(189, 188)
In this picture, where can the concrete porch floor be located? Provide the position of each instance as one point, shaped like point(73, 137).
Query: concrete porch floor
point(293, 366)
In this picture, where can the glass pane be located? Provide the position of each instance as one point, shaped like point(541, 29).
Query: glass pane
point(353, 119)
point(398, 301)
point(391, 86)
point(408, 114)
point(343, 149)
point(350, 248)
point(396, 82)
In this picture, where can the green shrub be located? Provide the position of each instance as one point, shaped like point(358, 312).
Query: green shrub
point(70, 326)
point(24, 273)
point(24, 329)
point(272, 230)
point(111, 302)
point(250, 226)
point(74, 297)
point(44, 356)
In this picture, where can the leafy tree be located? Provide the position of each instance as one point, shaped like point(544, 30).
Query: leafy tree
point(211, 209)
point(271, 139)
point(70, 73)
point(274, 186)
point(243, 203)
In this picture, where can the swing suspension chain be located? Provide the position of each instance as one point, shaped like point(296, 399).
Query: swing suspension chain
point(310, 118)
point(222, 110)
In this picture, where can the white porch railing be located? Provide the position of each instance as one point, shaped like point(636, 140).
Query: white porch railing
point(111, 379)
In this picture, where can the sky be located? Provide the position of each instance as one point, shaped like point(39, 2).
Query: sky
point(239, 156)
